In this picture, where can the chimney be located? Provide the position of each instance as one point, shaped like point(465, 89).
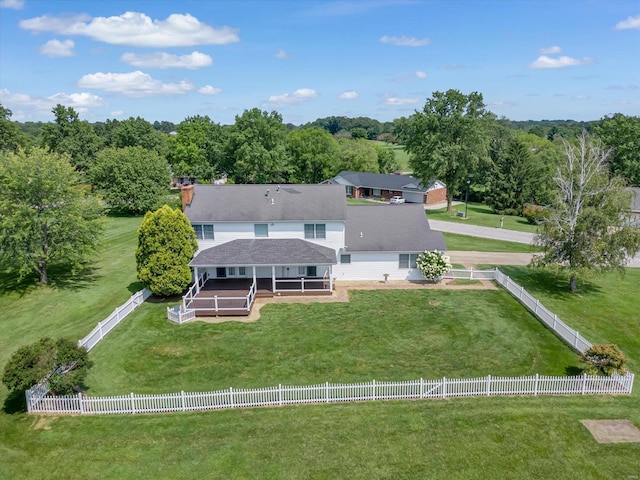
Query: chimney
point(186, 193)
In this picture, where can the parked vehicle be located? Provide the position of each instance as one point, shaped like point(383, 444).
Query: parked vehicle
point(396, 200)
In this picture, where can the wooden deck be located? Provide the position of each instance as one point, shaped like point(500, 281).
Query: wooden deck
point(228, 296)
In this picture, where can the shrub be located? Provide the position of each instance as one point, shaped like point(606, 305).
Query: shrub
point(604, 359)
point(433, 264)
point(61, 361)
point(534, 213)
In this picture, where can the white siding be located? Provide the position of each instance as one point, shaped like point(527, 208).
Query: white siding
point(226, 231)
point(373, 266)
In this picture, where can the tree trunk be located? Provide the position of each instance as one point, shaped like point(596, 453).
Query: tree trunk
point(449, 201)
point(573, 283)
point(44, 279)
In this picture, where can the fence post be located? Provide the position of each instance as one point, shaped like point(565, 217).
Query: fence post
point(535, 385)
point(183, 400)
point(27, 395)
point(444, 387)
point(537, 305)
point(215, 302)
point(80, 402)
point(302, 284)
point(471, 273)
point(326, 392)
point(231, 397)
point(133, 404)
point(488, 385)
point(555, 320)
point(100, 330)
point(117, 314)
point(584, 383)
point(373, 384)
point(280, 394)
point(575, 342)
point(421, 387)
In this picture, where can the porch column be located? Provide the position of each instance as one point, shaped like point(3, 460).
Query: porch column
point(197, 282)
point(273, 278)
point(331, 278)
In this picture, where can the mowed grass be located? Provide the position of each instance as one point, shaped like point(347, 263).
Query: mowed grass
point(474, 438)
point(482, 215)
point(456, 242)
point(382, 335)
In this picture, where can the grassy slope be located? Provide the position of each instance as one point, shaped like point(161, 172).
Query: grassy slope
point(480, 214)
point(451, 439)
point(466, 243)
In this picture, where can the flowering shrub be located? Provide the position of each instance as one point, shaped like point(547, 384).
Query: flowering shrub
point(604, 359)
point(433, 264)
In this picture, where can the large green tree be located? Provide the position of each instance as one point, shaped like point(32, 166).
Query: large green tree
point(587, 228)
point(11, 137)
point(46, 218)
point(358, 155)
point(68, 134)
point(314, 154)
point(131, 179)
point(448, 140)
point(135, 132)
point(622, 134)
point(387, 161)
point(198, 148)
point(256, 150)
point(166, 244)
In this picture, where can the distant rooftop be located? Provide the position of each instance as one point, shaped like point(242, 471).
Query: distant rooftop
point(382, 181)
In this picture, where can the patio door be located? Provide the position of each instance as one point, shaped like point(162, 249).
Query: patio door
point(221, 272)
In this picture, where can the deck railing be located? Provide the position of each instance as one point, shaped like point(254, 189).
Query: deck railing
point(303, 285)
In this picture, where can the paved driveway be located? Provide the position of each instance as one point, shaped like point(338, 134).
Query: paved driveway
point(495, 234)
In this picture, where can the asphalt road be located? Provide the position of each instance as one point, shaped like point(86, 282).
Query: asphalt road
point(472, 258)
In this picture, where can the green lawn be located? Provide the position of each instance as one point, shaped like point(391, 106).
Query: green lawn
point(480, 214)
point(401, 154)
point(360, 201)
point(457, 242)
point(474, 438)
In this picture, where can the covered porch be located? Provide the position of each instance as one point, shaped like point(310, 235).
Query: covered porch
point(229, 277)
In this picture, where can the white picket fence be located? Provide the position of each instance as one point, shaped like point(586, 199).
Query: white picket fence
point(550, 319)
point(332, 393)
point(112, 321)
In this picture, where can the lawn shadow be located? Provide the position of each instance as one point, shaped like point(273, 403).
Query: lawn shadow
point(15, 403)
point(11, 283)
point(135, 287)
point(551, 284)
point(60, 277)
point(573, 371)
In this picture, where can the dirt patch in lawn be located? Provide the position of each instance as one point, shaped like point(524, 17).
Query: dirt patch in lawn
point(341, 294)
point(612, 431)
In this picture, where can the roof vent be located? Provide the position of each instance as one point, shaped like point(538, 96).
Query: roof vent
point(361, 235)
point(278, 189)
point(267, 194)
point(273, 201)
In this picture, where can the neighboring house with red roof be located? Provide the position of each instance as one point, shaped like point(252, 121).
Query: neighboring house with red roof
point(384, 186)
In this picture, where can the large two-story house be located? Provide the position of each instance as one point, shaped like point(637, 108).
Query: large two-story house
point(283, 239)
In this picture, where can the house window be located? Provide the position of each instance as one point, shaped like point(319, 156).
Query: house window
point(203, 232)
point(242, 271)
point(345, 258)
point(302, 270)
point(231, 271)
point(407, 260)
point(261, 229)
point(349, 190)
point(317, 230)
point(377, 192)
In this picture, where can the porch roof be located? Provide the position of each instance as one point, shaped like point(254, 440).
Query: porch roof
point(265, 251)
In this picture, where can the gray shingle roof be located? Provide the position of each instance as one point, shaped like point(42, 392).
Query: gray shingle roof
point(390, 228)
point(383, 181)
point(265, 251)
point(250, 203)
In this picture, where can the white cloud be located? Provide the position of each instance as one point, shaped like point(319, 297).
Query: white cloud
point(134, 84)
point(548, 62)
point(136, 29)
point(420, 74)
point(500, 105)
point(348, 95)
point(42, 105)
point(287, 99)
point(12, 4)
point(550, 50)
point(405, 41)
point(209, 90)
point(630, 22)
point(117, 113)
point(282, 54)
point(393, 100)
point(581, 97)
point(192, 61)
point(56, 48)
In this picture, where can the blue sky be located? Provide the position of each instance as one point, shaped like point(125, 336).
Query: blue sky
point(166, 60)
